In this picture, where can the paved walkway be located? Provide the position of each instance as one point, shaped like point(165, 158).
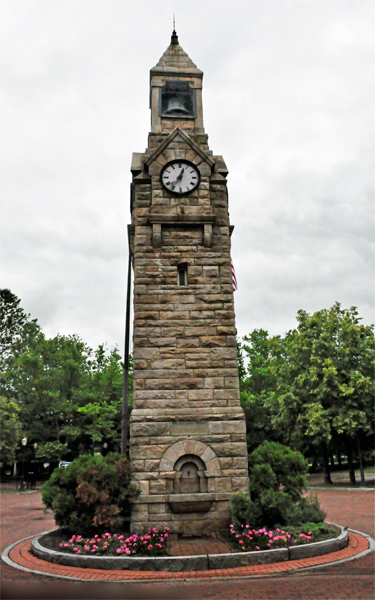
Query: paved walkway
point(23, 516)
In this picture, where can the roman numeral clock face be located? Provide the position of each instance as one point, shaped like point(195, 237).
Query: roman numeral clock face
point(180, 177)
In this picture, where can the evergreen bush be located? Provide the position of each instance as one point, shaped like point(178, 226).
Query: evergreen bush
point(278, 478)
point(244, 511)
point(91, 495)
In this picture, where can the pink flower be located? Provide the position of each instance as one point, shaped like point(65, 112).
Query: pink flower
point(149, 547)
point(240, 542)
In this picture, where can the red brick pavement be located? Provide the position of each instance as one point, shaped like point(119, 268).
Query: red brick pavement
point(191, 547)
point(23, 515)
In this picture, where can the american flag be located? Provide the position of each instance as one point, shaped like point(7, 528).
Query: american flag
point(234, 280)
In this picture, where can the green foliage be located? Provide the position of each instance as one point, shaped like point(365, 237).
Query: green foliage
point(277, 482)
point(277, 508)
point(313, 388)
point(307, 510)
point(277, 467)
point(244, 511)
point(11, 430)
point(69, 397)
point(257, 383)
point(16, 327)
point(328, 377)
point(91, 495)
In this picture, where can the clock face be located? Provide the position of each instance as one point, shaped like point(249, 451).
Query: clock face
point(180, 177)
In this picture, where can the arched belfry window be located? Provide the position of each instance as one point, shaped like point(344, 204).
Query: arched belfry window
point(177, 100)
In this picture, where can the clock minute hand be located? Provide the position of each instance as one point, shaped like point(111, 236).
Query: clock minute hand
point(179, 177)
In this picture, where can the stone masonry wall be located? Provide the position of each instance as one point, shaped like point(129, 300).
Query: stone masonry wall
point(186, 391)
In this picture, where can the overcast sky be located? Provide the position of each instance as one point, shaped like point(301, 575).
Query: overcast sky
point(288, 97)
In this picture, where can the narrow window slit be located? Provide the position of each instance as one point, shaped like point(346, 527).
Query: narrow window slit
point(182, 274)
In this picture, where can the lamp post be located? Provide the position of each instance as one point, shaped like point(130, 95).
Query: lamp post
point(105, 446)
point(23, 442)
point(34, 474)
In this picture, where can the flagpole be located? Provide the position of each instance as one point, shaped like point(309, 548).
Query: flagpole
point(125, 389)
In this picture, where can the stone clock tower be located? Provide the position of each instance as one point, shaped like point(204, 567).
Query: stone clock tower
point(187, 433)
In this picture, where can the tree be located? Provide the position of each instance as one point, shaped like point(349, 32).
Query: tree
point(11, 430)
point(257, 381)
point(68, 396)
point(100, 412)
point(17, 330)
point(326, 383)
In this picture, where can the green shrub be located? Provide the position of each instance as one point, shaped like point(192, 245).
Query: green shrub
point(307, 510)
point(278, 467)
point(244, 511)
point(278, 478)
point(91, 495)
point(276, 508)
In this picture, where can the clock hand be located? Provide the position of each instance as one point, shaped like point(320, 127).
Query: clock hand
point(179, 177)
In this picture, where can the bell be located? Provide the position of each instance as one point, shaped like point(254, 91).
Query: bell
point(176, 107)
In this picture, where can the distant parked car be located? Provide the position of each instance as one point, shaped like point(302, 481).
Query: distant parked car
point(64, 463)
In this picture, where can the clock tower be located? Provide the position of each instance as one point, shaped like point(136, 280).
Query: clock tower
point(187, 431)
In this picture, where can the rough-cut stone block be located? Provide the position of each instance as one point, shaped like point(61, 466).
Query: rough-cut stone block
point(231, 449)
point(240, 484)
point(227, 427)
point(146, 429)
point(189, 428)
point(212, 465)
point(210, 341)
point(208, 453)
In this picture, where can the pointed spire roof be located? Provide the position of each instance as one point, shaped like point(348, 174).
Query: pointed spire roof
point(176, 61)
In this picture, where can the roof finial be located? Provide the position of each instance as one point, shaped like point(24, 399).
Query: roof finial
point(174, 39)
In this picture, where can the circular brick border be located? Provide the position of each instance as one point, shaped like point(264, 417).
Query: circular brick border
point(360, 544)
point(203, 562)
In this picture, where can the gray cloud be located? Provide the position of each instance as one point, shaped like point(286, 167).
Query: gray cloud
point(288, 102)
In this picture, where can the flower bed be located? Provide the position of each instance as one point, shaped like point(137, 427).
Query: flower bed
point(150, 543)
point(245, 539)
point(50, 550)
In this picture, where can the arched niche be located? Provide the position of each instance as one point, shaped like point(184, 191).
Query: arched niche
point(190, 469)
point(190, 476)
point(190, 447)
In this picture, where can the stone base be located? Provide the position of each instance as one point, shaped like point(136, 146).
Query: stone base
point(186, 514)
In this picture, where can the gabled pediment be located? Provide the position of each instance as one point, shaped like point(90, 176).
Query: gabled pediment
point(179, 134)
